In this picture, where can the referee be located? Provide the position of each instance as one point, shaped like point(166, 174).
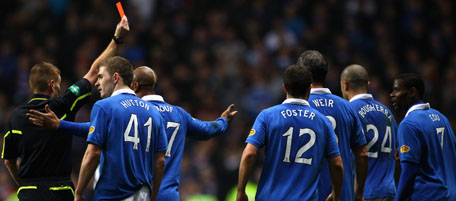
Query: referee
point(44, 172)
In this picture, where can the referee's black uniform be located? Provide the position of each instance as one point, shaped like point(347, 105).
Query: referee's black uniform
point(45, 154)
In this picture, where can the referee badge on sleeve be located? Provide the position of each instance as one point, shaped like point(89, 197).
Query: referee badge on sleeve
point(91, 129)
point(252, 132)
point(75, 90)
point(405, 149)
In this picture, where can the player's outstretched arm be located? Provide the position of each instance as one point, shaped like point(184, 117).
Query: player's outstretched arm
point(159, 170)
point(204, 130)
point(88, 166)
point(50, 120)
point(121, 31)
point(245, 169)
point(361, 171)
point(336, 171)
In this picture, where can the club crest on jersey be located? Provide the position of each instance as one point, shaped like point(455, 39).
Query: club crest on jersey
point(91, 129)
point(252, 132)
point(405, 149)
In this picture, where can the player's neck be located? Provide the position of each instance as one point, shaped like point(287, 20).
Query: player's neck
point(316, 85)
point(120, 86)
point(303, 98)
point(352, 94)
point(141, 94)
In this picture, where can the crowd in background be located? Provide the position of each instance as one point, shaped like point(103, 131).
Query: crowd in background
point(208, 54)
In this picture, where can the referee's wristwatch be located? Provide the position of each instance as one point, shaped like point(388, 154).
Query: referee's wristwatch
point(117, 39)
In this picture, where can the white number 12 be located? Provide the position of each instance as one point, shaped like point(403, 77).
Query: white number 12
point(303, 149)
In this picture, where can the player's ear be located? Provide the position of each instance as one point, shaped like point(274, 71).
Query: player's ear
point(284, 88)
point(134, 86)
point(344, 85)
point(413, 92)
point(51, 86)
point(115, 77)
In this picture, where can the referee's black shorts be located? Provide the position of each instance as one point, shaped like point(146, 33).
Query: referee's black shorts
point(51, 189)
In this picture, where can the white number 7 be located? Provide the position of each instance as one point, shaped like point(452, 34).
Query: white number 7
point(173, 136)
point(441, 131)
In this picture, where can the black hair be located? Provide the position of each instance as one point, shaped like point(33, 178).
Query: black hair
point(297, 80)
point(410, 80)
point(317, 64)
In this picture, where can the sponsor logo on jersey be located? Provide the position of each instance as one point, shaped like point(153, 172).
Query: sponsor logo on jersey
point(405, 149)
point(252, 132)
point(91, 129)
point(75, 90)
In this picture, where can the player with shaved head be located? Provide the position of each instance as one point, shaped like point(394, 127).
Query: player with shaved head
point(179, 124)
point(380, 131)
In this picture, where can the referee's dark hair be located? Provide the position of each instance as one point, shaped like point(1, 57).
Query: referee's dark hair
point(40, 76)
point(119, 65)
point(297, 80)
point(412, 80)
point(317, 64)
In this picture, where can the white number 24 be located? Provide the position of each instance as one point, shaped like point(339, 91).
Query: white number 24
point(384, 147)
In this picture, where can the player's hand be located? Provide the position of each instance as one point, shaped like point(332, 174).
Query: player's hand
point(78, 198)
point(396, 154)
point(332, 197)
point(241, 196)
point(122, 28)
point(47, 120)
point(228, 114)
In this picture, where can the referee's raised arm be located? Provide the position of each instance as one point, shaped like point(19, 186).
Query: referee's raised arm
point(121, 31)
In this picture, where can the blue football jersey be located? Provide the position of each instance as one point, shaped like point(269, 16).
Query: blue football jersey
point(129, 131)
point(179, 124)
point(380, 131)
point(425, 137)
point(296, 138)
point(349, 132)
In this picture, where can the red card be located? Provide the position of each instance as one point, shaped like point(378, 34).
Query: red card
point(120, 9)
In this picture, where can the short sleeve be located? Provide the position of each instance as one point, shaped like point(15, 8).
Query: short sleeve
point(357, 138)
point(409, 142)
point(257, 134)
point(10, 148)
point(162, 139)
point(98, 130)
point(71, 101)
point(331, 148)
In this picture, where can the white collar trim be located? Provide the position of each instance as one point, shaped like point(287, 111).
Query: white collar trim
point(423, 106)
point(123, 91)
point(320, 91)
point(153, 98)
point(296, 101)
point(362, 96)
